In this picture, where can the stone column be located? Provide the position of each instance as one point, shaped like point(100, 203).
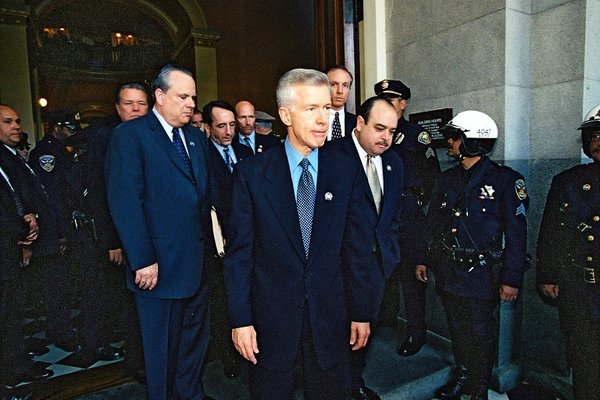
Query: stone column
point(15, 84)
point(205, 42)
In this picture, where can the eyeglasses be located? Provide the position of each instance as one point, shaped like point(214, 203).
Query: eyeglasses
point(23, 148)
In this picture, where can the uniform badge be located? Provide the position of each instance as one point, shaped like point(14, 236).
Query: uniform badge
point(47, 162)
point(587, 187)
point(328, 196)
point(487, 192)
point(424, 138)
point(520, 189)
point(521, 210)
point(399, 138)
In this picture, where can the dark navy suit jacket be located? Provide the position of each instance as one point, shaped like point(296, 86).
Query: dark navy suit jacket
point(270, 282)
point(222, 180)
point(159, 209)
point(384, 235)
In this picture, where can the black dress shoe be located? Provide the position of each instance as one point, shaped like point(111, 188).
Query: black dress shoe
point(411, 346)
point(35, 351)
point(70, 346)
point(455, 388)
point(481, 393)
point(37, 372)
point(14, 395)
point(364, 393)
point(108, 353)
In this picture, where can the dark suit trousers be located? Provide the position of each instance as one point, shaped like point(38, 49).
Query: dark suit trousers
point(175, 335)
point(319, 384)
point(14, 360)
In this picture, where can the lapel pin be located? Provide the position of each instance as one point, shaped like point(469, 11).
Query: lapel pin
point(192, 144)
point(587, 187)
point(259, 150)
point(328, 196)
point(388, 167)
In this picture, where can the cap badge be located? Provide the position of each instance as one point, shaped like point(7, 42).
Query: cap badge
point(385, 84)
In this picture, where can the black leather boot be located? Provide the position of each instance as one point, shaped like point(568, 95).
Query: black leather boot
point(456, 387)
point(482, 391)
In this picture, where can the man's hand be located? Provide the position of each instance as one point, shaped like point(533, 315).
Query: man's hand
point(63, 244)
point(508, 293)
point(34, 229)
point(421, 273)
point(359, 334)
point(147, 277)
point(549, 290)
point(244, 339)
point(117, 256)
point(27, 253)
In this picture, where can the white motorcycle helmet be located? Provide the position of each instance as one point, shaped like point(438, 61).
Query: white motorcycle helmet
point(590, 124)
point(477, 131)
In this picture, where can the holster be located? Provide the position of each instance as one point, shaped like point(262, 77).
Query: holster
point(84, 223)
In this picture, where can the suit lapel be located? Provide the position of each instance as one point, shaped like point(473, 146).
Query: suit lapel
point(280, 194)
point(165, 143)
point(391, 180)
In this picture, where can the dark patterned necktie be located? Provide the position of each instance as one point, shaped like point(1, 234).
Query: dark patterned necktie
point(227, 158)
point(180, 149)
point(374, 184)
point(305, 203)
point(247, 143)
point(336, 128)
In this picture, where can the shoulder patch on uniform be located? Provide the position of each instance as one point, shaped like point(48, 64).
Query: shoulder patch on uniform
point(47, 162)
point(424, 137)
point(520, 189)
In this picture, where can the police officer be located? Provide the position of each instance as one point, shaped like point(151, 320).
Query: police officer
point(477, 226)
point(421, 167)
point(57, 159)
point(568, 259)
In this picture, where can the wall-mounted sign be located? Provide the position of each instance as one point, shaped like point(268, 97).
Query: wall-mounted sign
point(432, 121)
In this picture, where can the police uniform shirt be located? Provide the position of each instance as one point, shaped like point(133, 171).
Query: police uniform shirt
point(342, 118)
point(362, 154)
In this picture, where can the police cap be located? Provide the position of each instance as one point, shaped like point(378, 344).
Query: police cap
point(263, 116)
point(67, 119)
point(392, 88)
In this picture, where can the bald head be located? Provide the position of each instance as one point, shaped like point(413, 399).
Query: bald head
point(245, 117)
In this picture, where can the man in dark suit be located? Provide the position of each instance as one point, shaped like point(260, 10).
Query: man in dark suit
point(156, 177)
point(246, 129)
point(102, 255)
point(298, 284)
point(368, 145)
point(341, 122)
point(18, 228)
point(223, 154)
